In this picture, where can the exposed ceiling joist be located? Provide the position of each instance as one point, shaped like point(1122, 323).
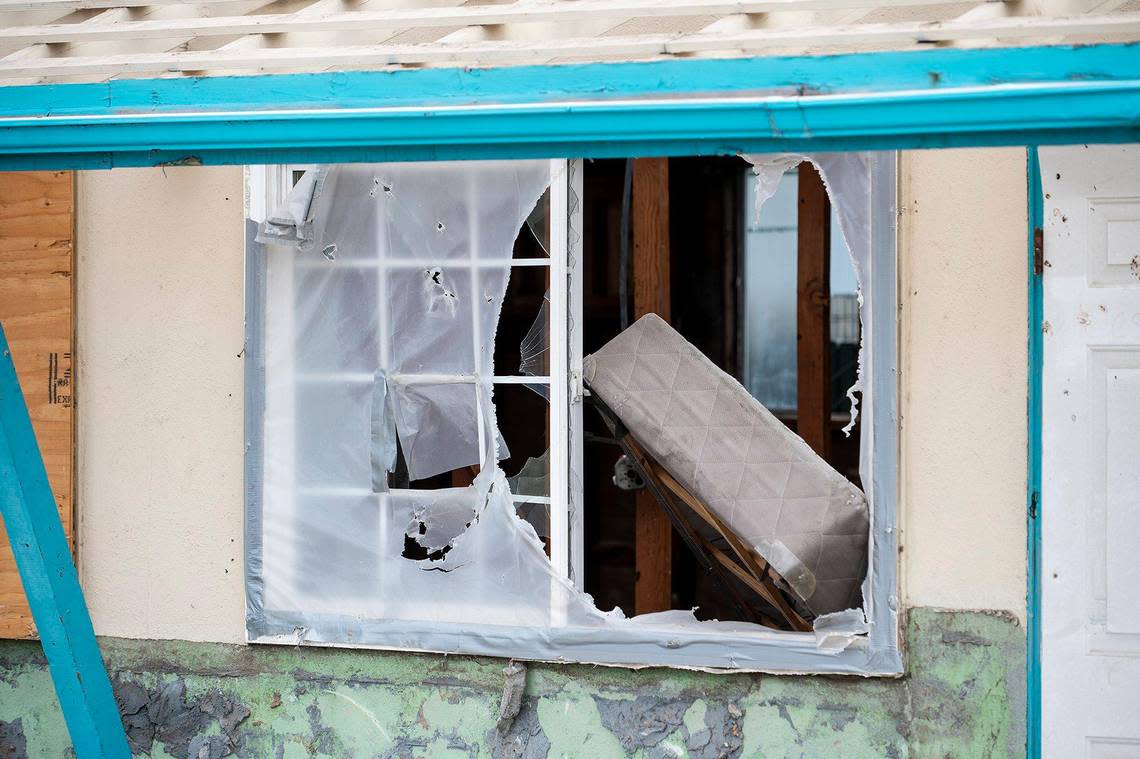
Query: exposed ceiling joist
point(66, 6)
point(524, 11)
point(69, 40)
point(601, 47)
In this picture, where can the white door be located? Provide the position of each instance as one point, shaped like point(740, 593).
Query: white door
point(1090, 496)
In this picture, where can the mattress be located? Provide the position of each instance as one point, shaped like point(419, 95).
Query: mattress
point(725, 447)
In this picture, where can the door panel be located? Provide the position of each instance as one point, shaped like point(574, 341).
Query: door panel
point(1091, 452)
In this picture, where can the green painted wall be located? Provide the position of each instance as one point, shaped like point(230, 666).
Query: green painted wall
point(963, 696)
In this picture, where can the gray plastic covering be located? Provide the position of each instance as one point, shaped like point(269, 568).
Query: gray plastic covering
point(374, 299)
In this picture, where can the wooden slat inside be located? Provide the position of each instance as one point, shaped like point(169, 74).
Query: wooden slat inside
point(653, 589)
point(37, 212)
point(813, 312)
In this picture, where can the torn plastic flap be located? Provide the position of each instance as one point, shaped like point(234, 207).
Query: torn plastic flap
point(835, 632)
point(383, 434)
point(440, 516)
point(534, 350)
point(533, 480)
point(292, 223)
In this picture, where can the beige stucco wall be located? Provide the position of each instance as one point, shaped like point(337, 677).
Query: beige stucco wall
point(160, 320)
point(160, 314)
point(963, 361)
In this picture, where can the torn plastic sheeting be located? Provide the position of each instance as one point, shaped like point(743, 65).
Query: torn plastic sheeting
point(437, 426)
point(534, 476)
point(496, 572)
point(847, 178)
point(538, 222)
point(383, 448)
point(836, 631)
point(533, 479)
point(292, 224)
point(333, 548)
point(441, 236)
point(440, 516)
point(534, 350)
point(832, 632)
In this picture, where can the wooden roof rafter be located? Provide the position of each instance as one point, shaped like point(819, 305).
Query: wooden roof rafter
point(86, 39)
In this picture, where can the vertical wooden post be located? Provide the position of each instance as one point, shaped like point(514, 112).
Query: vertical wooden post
point(813, 312)
point(653, 589)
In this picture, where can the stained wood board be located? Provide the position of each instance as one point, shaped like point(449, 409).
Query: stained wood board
point(813, 312)
point(653, 542)
point(37, 221)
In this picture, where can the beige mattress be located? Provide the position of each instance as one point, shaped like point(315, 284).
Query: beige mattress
point(722, 444)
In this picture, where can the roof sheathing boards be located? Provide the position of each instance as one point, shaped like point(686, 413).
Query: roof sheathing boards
point(328, 536)
point(255, 36)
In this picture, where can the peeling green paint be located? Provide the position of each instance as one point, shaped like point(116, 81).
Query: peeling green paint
point(695, 716)
point(571, 721)
point(963, 696)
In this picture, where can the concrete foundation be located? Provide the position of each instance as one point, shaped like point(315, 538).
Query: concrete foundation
point(963, 696)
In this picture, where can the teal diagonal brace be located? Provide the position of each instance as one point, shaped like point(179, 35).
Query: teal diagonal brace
point(50, 580)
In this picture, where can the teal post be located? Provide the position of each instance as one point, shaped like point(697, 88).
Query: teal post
point(50, 581)
point(1036, 214)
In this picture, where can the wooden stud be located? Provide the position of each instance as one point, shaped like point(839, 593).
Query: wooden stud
point(37, 214)
point(653, 589)
point(813, 312)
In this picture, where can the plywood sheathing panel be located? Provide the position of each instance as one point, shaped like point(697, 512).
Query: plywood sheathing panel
point(37, 215)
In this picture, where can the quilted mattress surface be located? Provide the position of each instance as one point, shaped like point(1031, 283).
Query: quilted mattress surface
point(759, 477)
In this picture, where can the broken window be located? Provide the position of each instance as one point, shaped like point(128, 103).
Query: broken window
point(418, 458)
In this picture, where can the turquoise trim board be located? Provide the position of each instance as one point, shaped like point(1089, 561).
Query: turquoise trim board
point(50, 581)
point(923, 99)
point(933, 69)
point(1036, 216)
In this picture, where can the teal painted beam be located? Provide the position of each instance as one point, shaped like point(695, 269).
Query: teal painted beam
point(50, 581)
point(642, 113)
point(1036, 217)
point(933, 69)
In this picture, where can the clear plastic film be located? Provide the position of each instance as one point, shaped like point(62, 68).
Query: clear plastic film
point(534, 350)
point(383, 286)
point(382, 301)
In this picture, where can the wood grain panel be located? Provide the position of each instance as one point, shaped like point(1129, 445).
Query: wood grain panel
point(653, 547)
point(37, 221)
point(813, 312)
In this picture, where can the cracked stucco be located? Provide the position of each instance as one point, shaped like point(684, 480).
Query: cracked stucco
point(963, 696)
